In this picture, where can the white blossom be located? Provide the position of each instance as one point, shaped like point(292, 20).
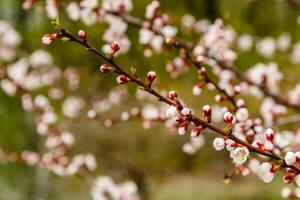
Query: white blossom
point(290, 158)
point(219, 143)
point(240, 155)
point(264, 173)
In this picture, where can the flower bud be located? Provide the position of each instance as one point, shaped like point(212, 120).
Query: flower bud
point(197, 90)
point(104, 68)
point(201, 59)
point(269, 146)
point(186, 112)
point(115, 47)
point(183, 129)
point(171, 112)
point(228, 118)
point(219, 98)
point(207, 112)
point(49, 38)
point(82, 34)
point(122, 79)
point(240, 103)
point(151, 77)
point(244, 170)
point(270, 135)
point(172, 95)
point(219, 143)
point(202, 71)
point(196, 131)
point(237, 89)
point(287, 178)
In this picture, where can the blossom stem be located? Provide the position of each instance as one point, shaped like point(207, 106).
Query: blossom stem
point(193, 118)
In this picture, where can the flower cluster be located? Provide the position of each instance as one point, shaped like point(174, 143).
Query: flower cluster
point(105, 188)
point(213, 55)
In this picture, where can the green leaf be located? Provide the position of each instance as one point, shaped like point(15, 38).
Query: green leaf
point(56, 23)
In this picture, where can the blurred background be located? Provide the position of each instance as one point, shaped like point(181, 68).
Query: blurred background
point(152, 158)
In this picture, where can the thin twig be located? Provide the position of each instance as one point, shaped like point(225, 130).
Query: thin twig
point(187, 47)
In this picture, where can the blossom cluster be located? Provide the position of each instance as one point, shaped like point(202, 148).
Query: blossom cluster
point(213, 55)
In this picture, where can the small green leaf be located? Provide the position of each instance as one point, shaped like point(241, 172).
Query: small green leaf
point(56, 23)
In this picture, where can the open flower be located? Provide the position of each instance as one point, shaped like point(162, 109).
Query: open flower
point(290, 158)
point(240, 155)
point(264, 172)
point(242, 114)
point(171, 112)
point(219, 143)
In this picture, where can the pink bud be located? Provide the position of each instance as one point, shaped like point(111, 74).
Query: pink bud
point(237, 89)
point(196, 131)
point(49, 38)
point(183, 129)
point(151, 77)
point(172, 95)
point(201, 59)
point(122, 79)
point(186, 112)
point(207, 112)
point(219, 98)
point(82, 34)
point(244, 170)
point(202, 71)
point(197, 89)
point(270, 135)
point(115, 46)
point(257, 121)
point(269, 146)
point(287, 178)
point(104, 68)
point(240, 103)
point(228, 118)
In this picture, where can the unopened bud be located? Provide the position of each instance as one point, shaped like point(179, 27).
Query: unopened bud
point(115, 47)
point(172, 95)
point(151, 77)
point(183, 129)
point(228, 118)
point(82, 34)
point(207, 112)
point(104, 68)
point(196, 131)
point(49, 38)
point(186, 112)
point(122, 79)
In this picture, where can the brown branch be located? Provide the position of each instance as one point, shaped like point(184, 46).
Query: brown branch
point(187, 47)
point(193, 118)
point(180, 45)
